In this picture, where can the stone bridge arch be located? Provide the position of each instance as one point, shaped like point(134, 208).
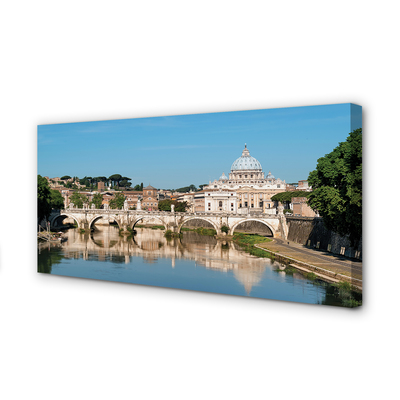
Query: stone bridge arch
point(236, 224)
point(96, 217)
point(64, 215)
point(133, 223)
point(215, 226)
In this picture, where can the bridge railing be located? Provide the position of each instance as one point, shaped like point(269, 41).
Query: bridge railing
point(168, 213)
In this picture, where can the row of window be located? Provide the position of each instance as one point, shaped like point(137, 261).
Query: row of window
point(210, 194)
point(260, 195)
point(252, 205)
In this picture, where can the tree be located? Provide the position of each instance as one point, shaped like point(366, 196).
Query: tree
point(337, 188)
point(97, 200)
point(125, 182)
point(65, 177)
point(44, 198)
point(78, 199)
point(165, 205)
point(181, 206)
point(116, 179)
point(138, 188)
point(118, 201)
point(56, 200)
point(184, 189)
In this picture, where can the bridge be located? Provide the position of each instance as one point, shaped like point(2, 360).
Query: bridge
point(174, 221)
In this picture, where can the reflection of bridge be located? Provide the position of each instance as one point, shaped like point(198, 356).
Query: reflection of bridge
point(86, 218)
point(105, 244)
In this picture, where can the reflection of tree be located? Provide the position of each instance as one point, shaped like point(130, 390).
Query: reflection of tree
point(47, 258)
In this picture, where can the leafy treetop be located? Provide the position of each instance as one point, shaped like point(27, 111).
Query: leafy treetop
point(78, 199)
point(44, 196)
point(165, 205)
point(97, 200)
point(117, 202)
point(337, 188)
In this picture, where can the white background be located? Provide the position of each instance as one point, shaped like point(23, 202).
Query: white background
point(66, 338)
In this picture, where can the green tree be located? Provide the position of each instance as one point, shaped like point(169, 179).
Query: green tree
point(185, 189)
point(97, 200)
point(337, 188)
point(78, 199)
point(138, 188)
point(115, 179)
point(65, 177)
point(181, 206)
point(56, 200)
point(117, 202)
point(165, 205)
point(44, 198)
point(125, 182)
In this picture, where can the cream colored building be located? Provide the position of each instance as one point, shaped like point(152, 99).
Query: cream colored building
point(220, 201)
point(252, 189)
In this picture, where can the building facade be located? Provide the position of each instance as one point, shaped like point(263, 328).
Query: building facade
point(150, 198)
point(301, 208)
point(220, 201)
point(248, 183)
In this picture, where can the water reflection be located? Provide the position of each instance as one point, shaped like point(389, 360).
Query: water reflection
point(192, 262)
point(105, 244)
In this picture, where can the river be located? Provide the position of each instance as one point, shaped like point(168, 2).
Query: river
point(192, 262)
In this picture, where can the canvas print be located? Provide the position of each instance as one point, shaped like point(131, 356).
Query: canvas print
point(260, 203)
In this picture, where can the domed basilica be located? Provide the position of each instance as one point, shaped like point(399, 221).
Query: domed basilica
point(252, 188)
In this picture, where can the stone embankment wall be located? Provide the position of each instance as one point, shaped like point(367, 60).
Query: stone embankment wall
point(310, 231)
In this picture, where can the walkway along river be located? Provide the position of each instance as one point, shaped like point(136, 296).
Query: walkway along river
point(193, 262)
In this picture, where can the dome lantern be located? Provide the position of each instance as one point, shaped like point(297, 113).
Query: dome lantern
point(246, 162)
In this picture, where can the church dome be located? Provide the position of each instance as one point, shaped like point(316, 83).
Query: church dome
point(269, 176)
point(223, 177)
point(246, 162)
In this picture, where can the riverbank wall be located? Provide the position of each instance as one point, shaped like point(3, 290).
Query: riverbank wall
point(311, 232)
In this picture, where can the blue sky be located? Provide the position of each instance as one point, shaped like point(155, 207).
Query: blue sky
point(176, 151)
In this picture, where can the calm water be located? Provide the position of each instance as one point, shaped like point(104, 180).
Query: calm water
point(192, 262)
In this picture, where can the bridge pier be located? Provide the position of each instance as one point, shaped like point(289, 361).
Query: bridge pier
point(84, 225)
point(174, 228)
point(124, 230)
